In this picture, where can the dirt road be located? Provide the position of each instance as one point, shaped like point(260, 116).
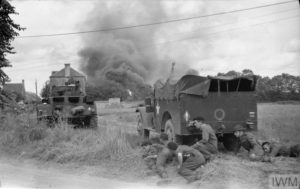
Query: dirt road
point(17, 175)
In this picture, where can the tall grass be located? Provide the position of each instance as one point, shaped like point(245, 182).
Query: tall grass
point(23, 135)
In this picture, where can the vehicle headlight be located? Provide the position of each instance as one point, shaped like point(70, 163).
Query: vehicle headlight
point(186, 116)
point(91, 110)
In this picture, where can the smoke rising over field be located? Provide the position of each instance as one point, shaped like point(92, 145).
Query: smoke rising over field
point(126, 58)
point(123, 56)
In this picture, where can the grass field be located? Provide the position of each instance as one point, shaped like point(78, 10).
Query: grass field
point(279, 122)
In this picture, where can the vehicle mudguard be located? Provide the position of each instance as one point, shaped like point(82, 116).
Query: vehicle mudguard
point(146, 118)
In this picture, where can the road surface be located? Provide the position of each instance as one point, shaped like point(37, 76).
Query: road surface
point(17, 175)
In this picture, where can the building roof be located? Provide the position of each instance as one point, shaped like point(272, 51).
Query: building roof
point(73, 73)
point(17, 87)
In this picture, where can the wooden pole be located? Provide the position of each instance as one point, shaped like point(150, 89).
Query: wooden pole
point(36, 95)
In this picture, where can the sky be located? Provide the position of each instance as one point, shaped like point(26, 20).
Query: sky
point(265, 40)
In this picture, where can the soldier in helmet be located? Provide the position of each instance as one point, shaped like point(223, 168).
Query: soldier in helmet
point(248, 141)
point(189, 160)
point(151, 149)
point(274, 150)
point(208, 145)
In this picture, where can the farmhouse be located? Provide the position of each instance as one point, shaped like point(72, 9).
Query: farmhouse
point(67, 76)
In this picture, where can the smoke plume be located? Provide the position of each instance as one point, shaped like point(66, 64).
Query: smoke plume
point(126, 57)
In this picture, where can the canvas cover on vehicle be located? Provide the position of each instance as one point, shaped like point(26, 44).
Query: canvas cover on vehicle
point(189, 84)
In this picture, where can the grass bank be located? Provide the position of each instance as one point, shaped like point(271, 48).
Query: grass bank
point(22, 136)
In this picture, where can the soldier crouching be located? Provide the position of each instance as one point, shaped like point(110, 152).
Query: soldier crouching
point(248, 142)
point(208, 145)
point(189, 160)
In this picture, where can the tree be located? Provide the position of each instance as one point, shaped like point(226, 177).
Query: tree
point(230, 73)
point(45, 90)
point(247, 72)
point(8, 32)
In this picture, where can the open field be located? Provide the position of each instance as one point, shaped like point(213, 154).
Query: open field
point(280, 122)
point(112, 151)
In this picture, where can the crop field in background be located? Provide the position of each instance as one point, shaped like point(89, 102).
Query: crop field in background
point(279, 122)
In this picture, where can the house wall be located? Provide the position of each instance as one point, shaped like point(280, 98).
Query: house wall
point(61, 81)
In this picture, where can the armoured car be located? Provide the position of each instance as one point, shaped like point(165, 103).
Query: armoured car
point(223, 102)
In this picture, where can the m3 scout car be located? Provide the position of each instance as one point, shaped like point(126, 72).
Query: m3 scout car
point(224, 102)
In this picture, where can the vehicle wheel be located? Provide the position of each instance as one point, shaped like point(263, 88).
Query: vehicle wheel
point(169, 130)
point(140, 126)
point(94, 122)
point(230, 142)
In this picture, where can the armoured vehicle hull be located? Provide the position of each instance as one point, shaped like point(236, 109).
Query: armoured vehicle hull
point(74, 110)
point(67, 100)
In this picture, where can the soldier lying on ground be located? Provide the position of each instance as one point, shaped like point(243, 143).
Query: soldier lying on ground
point(208, 145)
point(163, 158)
point(189, 160)
point(150, 152)
point(272, 150)
point(248, 142)
point(295, 151)
point(151, 148)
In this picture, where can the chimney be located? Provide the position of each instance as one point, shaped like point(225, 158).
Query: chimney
point(67, 70)
point(53, 72)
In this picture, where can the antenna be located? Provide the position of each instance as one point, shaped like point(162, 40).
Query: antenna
point(172, 71)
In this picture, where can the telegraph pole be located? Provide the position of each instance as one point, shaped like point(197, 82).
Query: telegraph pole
point(36, 96)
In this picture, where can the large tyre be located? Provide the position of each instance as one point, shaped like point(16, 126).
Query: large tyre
point(169, 130)
point(230, 142)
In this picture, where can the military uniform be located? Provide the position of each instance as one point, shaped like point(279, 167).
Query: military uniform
point(249, 143)
point(295, 151)
point(208, 145)
point(150, 155)
point(277, 150)
point(192, 160)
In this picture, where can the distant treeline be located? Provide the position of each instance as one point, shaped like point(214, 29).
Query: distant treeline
point(284, 87)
